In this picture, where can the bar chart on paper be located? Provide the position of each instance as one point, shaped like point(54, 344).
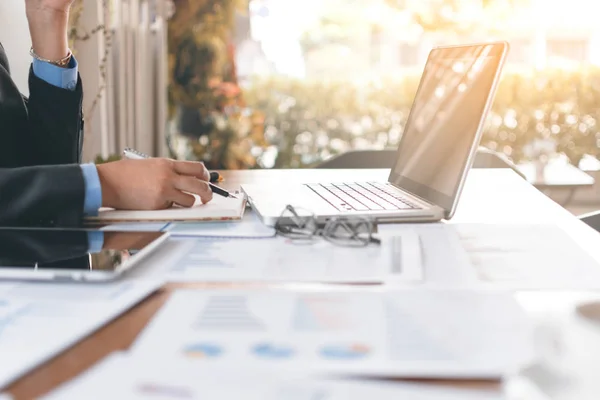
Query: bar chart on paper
point(208, 255)
point(322, 314)
point(228, 313)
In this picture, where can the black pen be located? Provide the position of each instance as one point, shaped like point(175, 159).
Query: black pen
point(136, 155)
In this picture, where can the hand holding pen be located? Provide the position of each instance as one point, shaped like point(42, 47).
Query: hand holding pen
point(133, 154)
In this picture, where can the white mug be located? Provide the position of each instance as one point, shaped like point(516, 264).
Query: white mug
point(568, 348)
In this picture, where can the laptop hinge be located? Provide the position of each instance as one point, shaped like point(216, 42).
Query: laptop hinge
point(422, 200)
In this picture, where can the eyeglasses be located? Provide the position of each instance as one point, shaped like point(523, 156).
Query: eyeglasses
point(301, 226)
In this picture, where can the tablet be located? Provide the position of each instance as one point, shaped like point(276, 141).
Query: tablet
point(72, 255)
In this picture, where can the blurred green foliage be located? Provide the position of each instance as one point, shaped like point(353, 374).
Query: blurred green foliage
point(534, 114)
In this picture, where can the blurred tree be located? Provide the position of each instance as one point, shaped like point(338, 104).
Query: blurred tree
point(307, 122)
point(208, 119)
point(455, 15)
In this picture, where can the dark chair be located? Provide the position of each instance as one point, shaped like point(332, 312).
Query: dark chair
point(361, 159)
point(592, 219)
point(485, 158)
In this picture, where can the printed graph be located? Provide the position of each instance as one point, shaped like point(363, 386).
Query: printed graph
point(321, 313)
point(273, 351)
point(203, 350)
point(207, 254)
point(352, 351)
point(409, 340)
point(228, 313)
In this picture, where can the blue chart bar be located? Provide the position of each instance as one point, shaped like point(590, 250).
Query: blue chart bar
point(305, 318)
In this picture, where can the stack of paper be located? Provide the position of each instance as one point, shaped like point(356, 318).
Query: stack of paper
point(249, 227)
point(40, 320)
point(218, 209)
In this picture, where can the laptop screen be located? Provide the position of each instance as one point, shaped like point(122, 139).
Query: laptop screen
point(443, 128)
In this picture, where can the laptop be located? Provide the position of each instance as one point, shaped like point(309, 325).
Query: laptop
point(436, 151)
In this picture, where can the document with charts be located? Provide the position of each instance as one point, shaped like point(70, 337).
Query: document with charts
point(525, 256)
point(502, 256)
point(136, 378)
point(405, 332)
point(397, 259)
point(39, 320)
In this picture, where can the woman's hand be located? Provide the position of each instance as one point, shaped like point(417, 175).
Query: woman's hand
point(48, 23)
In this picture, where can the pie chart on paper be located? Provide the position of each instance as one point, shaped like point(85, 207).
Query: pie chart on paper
point(273, 351)
point(353, 351)
point(203, 350)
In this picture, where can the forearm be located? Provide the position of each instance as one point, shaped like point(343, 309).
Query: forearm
point(48, 30)
point(54, 104)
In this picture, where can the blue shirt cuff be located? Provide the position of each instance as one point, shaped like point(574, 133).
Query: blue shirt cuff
point(93, 191)
point(65, 78)
point(95, 241)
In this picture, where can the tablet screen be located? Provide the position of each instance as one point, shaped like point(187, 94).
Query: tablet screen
point(84, 250)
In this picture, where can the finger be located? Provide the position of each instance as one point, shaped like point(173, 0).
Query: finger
point(195, 186)
point(192, 168)
point(182, 199)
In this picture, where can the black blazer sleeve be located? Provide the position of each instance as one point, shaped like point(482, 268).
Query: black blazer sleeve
point(23, 247)
point(42, 196)
point(55, 120)
point(39, 136)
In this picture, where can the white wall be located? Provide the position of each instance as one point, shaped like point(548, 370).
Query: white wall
point(14, 35)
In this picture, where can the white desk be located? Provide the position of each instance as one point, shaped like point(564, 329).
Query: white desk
point(491, 195)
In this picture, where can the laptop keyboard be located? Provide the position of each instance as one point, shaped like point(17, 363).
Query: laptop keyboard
point(363, 196)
